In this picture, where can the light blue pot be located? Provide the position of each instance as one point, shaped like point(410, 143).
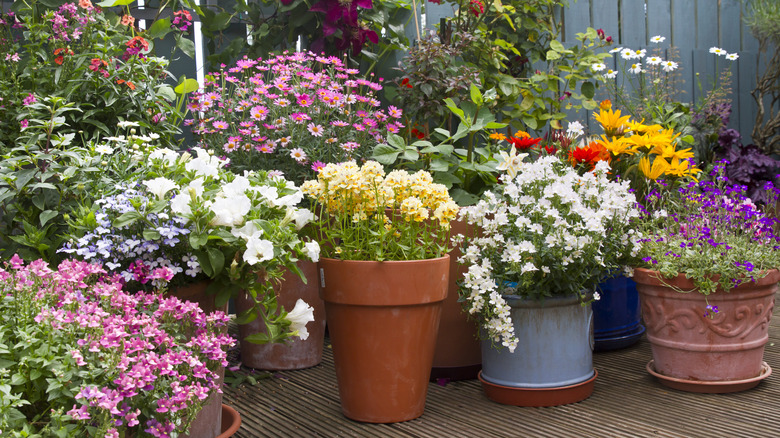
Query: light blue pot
point(555, 347)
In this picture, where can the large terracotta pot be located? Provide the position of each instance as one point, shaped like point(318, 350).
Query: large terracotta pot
point(382, 319)
point(458, 354)
point(553, 362)
point(296, 353)
point(196, 292)
point(694, 352)
point(208, 423)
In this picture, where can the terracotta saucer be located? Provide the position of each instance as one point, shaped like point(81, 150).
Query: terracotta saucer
point(710, 387)
point(539, 397)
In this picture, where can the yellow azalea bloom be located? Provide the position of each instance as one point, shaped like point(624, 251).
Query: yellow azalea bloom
point(657, 169)
point(611, 121)
point(498, 136)
point(617, 145)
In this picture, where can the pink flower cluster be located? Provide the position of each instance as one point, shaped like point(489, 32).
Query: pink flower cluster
point(154, 357)
point(290, 111)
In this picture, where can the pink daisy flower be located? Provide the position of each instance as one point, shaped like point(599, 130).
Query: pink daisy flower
point(315, 130)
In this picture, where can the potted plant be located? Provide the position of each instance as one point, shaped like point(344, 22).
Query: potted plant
point(92, 359)
point(189, 214)
point(707, 275)
point(383, 276)
point(546, 237)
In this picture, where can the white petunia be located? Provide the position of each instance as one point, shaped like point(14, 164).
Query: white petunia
point(180, 204)
point(312, 251)
point(160, 186)
point(302, 216)
point(168, 156)
point(258, 250)
point(248, 231)
point(230, 211)
point(299, 316)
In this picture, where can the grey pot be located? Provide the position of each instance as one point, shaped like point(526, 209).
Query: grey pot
point(555, 347)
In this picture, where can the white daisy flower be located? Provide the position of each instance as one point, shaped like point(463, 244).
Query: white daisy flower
point(669, 66)
point(657, 39)
point(732, 56)
point(598, 66)
point(718, 51)
point(610, 74)
point(627, 54)
point(636, 68)
point(616, 49)
point(654, 60)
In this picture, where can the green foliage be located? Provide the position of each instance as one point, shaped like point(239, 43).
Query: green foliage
point(458, 161)
point(763, 18)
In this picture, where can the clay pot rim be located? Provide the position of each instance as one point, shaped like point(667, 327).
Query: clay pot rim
point(331, 260)
point(655, 278)
point(235, 421)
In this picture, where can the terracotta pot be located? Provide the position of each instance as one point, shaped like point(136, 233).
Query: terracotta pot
point(458, 354)
point(689, 347)
point(196, 292)
point(296, 353)
point(208, 423)
point(382, 319)
point(231, 422)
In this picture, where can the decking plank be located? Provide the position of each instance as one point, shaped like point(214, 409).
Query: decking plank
point(627, 401)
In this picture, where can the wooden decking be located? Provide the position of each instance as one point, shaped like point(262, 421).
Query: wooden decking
point(627, 402)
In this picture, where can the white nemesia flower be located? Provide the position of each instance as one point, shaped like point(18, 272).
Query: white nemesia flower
point(575, 129)
point(160, 186)
point(596, 296)
point(258, 250)
point(657, 39)
point(732, 56)
point(598, 66)
point(299, 316)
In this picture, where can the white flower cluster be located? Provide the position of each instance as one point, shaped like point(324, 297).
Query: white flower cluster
point(550, 230)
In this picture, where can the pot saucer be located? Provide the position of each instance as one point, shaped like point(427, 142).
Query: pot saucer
point(710, 387)
point(539, 397)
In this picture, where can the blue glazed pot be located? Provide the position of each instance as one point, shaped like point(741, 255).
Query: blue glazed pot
point(617, 319)
point(555, 347)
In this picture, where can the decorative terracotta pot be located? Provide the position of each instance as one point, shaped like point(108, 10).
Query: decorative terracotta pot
point(296, 354)
point(458, 354)
point(694, 352)
point(617, 320)
point(553, 362)
point(196, 292)
point(382, 319)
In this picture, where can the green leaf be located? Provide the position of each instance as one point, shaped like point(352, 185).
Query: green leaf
point(216, 259)
point(186, 86)
point(110, 3)
point(126, 219)
point(46, 216)
point(411, 155)
point(159, 29)
point(385, 154)
point(427, 89)
point(557, 46)
point(527, 103)
point(439, 165)
point(588, 89)
point(204, 261)
point(552, 55)
point(150, 234)
point(396, 141)
point(166, 92)
point(476, 95)
point(187, 46)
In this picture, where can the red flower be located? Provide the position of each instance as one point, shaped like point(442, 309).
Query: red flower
point(477, 7)
point(589, 155)
point(523, 143)
point(138, 42)
point(58, 60)
point(405, 83)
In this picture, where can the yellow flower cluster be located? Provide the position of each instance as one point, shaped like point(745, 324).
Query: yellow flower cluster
point(363, 191)
point(651, 148)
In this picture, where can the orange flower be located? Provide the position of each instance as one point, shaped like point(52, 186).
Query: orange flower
point(605, 104)
point(138, 40)
point(129, 84)
point(589, 155)
point(128, 20)
point(58, 60)
point(85, 4)
point(498, 136)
